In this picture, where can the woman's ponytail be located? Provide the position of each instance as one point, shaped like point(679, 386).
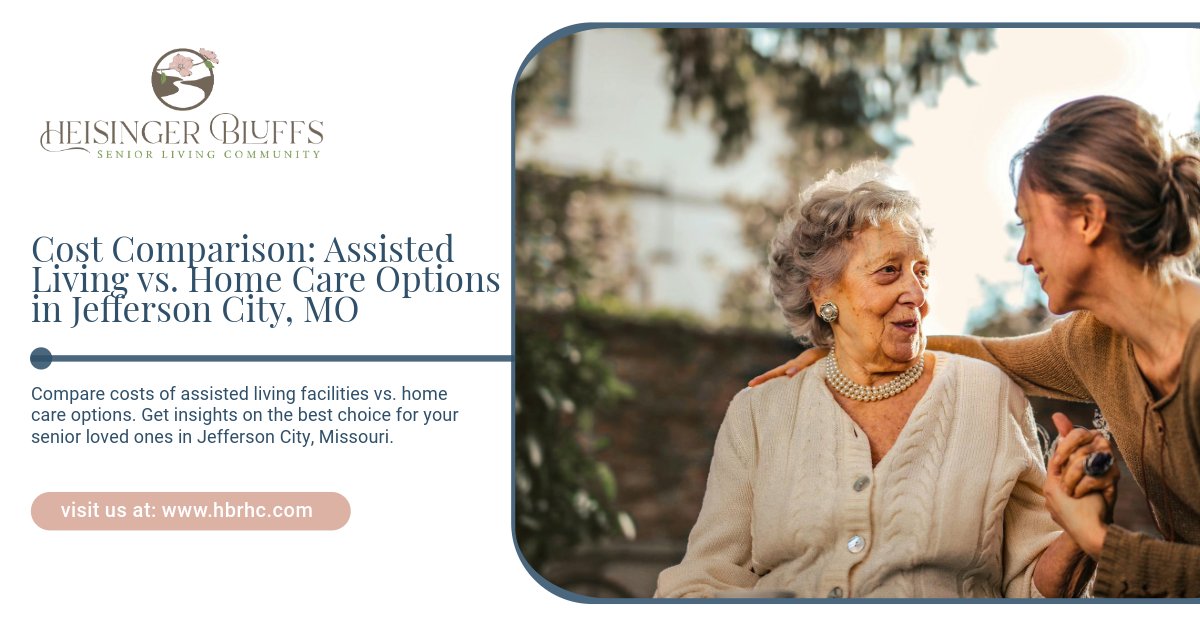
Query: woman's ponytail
point(1181, 203)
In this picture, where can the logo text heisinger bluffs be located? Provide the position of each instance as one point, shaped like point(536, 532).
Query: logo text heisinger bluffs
point(140, 140)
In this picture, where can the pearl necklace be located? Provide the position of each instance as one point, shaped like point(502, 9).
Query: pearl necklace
point(847, 388)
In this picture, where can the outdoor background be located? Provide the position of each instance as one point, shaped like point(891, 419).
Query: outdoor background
point(652, 169)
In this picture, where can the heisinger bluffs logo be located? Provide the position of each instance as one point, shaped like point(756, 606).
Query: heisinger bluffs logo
point(182, 79)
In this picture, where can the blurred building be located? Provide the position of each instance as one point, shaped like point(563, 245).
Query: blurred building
point(611, 112)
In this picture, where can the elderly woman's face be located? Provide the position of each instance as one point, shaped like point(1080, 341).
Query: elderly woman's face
point(881, 298)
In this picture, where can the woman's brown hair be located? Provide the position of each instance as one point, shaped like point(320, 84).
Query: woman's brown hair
point(1113, 148)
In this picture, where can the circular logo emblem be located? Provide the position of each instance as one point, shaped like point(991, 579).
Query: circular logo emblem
point(183, 78)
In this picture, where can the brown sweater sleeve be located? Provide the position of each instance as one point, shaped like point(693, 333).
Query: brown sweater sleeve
point(1138, 565)
point(1038, 363)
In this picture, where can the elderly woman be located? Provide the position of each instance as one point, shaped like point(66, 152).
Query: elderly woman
point(886, 471)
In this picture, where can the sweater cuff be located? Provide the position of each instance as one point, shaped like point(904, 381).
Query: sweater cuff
point(1116, 552)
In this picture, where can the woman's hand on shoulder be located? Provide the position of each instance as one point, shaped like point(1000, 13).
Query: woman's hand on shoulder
point(793, 366)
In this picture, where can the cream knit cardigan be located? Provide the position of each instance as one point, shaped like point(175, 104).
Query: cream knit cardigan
point(955, 508)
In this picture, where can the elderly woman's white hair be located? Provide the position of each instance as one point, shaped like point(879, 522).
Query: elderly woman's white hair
point(811, 247)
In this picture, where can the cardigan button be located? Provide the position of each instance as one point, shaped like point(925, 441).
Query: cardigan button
point(836, 592)
point(861, 483)
point(856, 544)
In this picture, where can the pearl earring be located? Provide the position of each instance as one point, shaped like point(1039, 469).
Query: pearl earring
point(828, 312)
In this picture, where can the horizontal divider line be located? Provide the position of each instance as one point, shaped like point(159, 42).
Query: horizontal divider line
point(283, 358)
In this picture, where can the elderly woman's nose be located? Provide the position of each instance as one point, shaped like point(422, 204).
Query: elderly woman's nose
point(914, 290)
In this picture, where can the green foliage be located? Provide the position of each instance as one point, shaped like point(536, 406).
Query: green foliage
point(572, 251)
point(840, 85)
point(564, 496)
point(618, 308)
point(573, 240)
point(546, 75)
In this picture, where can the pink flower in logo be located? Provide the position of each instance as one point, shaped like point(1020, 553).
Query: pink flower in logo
point(210, 55)
point(182, 64)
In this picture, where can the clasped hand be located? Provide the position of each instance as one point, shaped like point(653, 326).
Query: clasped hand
point(1078, 502)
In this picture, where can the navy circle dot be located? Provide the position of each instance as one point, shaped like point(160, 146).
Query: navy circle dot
point(41, 358)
